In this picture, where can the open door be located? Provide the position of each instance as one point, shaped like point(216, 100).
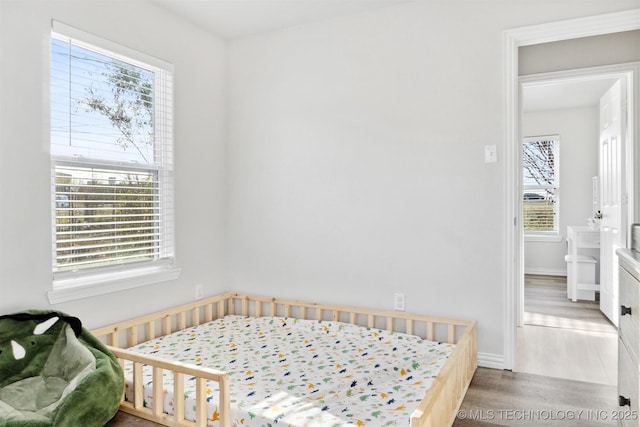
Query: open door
point(612, 194)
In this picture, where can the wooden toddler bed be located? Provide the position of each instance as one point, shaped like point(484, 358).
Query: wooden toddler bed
point(139, 345)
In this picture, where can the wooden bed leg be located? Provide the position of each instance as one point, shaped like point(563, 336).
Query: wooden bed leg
point(225, 402)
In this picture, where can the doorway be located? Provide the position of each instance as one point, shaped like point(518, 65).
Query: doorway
point(579, 341)
point(568, 104)
point(514, 267)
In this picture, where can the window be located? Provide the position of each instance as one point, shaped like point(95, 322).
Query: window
point(540, 185)
point(111, 151)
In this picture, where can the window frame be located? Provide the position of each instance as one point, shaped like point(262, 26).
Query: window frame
point(76, 284)
point(546, 235)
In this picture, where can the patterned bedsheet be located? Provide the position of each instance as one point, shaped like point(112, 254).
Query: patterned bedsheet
point(295, 372)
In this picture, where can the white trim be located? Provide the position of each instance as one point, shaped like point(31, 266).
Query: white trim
point(490, 360)
point(531, 138)
point(97, 44)
point(545, 271)
point(91, 281)
point(613, 71)
point(550, 238)
point(513, 230)
point(72, 289)
point(626, 20)
point(582, 27)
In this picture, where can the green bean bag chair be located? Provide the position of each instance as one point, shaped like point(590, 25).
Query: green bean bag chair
point(53, 372)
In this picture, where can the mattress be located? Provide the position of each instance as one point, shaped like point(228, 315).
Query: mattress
point(300, 372)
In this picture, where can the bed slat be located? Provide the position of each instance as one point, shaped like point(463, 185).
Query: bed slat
point(201, 402)
point(272, 308)
point(166, 325)
point(151, 331)
point(409, 326)
point(178, 390)
point(430, 329)
point(158, 391)
point(133, 337)
point(138, 386)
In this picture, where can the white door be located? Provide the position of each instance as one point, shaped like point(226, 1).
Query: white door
point(612, 195)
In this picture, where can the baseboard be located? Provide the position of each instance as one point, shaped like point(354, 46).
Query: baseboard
point(545, 271)
point(489, 360)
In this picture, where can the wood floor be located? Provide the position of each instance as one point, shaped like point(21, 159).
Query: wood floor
point(504, 398)
point(564, 339)
point(539, 393)
point(546, 304)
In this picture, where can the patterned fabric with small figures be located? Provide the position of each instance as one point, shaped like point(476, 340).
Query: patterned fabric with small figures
point(295, 372)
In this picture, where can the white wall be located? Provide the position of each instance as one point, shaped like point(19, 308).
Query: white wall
point(578, 130)
point(200, 117)
point(356, 158)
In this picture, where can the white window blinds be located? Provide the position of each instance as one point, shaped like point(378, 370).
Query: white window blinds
point(111, 149)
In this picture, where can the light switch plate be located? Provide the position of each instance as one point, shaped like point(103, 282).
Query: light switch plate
point(490, 154)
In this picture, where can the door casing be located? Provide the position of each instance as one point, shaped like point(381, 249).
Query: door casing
point(513, 244)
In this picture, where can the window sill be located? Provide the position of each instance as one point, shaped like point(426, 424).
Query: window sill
point(556, 238)
point(71, 289)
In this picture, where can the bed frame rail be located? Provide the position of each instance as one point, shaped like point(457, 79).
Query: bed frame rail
point(179, 370)
point(438, 408)
point(444, 397)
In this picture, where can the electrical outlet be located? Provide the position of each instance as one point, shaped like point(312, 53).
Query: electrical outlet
point(398, 302)
point(198, 292)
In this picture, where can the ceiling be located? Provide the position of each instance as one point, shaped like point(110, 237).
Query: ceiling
point(556, 96)
point(231, 19)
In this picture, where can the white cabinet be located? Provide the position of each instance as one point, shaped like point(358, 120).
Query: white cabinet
point(629, 337)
